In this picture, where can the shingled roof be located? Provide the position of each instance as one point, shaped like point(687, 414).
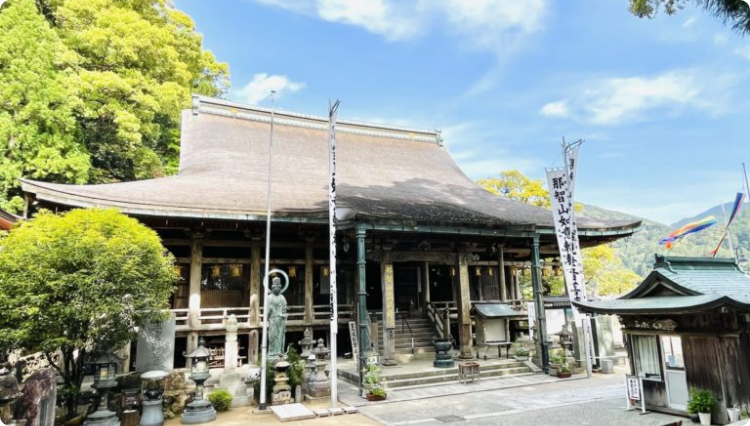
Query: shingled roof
point(682, 285)
point(385, 173)
point(7, 220)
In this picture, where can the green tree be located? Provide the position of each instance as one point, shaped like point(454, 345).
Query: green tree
point(92, 89)
point(602, 266)
point(80, 282)
point(733, 12)
point(39, 136)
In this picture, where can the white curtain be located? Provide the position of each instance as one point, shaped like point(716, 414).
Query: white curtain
point(645, 352)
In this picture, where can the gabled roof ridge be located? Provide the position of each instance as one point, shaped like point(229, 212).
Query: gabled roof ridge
point(204, 104)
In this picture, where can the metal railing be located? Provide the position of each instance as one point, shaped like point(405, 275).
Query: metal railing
point(405, 325)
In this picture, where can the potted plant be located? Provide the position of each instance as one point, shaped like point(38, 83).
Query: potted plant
point(563, 371)
point(373, 381)
point(556, 358)
point(521, 354)
point(701, 402)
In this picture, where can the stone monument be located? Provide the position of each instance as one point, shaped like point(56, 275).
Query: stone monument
point(253, 338)
point(307, 343)
point(37, 405)
point(156, 346)
point(9, 393)
point(232, 379)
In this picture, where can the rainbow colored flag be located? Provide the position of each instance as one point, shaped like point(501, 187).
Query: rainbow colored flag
point(690, 228)
point(739, 201)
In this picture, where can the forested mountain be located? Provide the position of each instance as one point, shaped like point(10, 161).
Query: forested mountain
point(637, 252)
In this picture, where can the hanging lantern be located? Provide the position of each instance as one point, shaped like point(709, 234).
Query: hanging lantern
point(292, 271)
point(325, 271)
point(453, 271)
point(177, 270)
point(216, 271)
point(490, 271)
point(478, 271)
point(236, 270)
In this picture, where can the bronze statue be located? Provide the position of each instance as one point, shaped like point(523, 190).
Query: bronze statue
point(276, 320)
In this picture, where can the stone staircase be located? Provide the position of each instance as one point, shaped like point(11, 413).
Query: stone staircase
point(422, 331)
point(409, 377)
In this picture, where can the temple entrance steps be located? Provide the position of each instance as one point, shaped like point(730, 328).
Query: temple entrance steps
point(421, 331)
point(422, 374)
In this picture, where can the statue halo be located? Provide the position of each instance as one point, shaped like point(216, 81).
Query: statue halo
point(273, 271)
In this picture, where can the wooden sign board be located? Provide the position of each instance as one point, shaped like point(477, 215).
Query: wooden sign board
point(634, 393)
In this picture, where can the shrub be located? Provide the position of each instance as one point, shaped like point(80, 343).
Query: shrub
point(701, 401)
point(372, 379)
point(522, 351)
point(255, 381)
point(556, 357)
point(296, 368)
point(220, 399)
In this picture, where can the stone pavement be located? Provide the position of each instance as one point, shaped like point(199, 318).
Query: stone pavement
point(243, 416)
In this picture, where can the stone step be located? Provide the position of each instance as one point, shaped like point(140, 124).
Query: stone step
point(483, 369)
point(403, 384)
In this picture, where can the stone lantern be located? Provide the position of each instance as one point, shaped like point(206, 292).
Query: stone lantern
point(152, 390)
point(105, 373)
point(199, 411)
point(9, 393)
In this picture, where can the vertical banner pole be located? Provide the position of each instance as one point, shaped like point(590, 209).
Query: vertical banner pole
point(332, 111)
point(264, 346)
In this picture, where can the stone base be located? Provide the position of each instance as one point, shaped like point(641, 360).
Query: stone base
point(102, 418)
point(198, 412)
point(152, 413)
point(292, 412)
point(444, 363)
point(318, 398)
point(234, 384)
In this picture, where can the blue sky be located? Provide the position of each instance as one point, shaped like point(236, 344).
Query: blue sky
point(662, 103)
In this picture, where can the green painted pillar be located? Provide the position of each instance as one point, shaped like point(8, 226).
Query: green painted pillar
point(536, 281)
point(364, 343)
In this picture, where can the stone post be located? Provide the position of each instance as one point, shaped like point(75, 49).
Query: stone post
point(253, 338)
point(464, 307)
point(231, 349)
point(389, 309)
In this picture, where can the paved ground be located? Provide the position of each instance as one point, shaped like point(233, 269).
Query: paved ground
point(595, 402)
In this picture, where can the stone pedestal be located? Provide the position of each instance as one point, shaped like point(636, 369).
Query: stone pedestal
point(197, 412)
point(281, 392)
point(443, 359)
point(152, 414)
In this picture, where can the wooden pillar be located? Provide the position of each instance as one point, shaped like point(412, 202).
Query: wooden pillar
point(425, 288)
point(253, 344)
point(517, 285)
point(389, 309)
point(309, 310)
point(196, 264)
point(464, 307)
point(501, 275)
point(541, 326)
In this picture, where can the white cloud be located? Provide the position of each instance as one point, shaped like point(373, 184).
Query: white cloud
point(483, 22)
point(720, 39)
point(555, 109)
point(618, 100)
point(262, 84)
point(689, 22)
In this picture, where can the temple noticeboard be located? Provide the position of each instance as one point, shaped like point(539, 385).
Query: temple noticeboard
point(493, 325)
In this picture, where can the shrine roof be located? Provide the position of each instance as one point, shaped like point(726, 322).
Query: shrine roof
point(384, 173)
point(7, 220)
point(682, 285)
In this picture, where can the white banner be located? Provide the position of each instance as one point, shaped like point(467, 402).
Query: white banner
point(333, 346)
point(567, 237)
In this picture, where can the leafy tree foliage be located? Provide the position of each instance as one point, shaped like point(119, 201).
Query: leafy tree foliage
point(39, 135)
point(602, 266)
point(80, 282)
point(115, 74)
point(733, 12)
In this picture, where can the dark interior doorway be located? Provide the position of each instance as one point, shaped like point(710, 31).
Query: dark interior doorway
point(441, 283)
point(406, 286)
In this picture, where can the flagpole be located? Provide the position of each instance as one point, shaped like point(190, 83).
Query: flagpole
point(585, 321)
point(264, 347)
point(332, 111)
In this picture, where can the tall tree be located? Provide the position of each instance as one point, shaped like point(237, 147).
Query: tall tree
point(80, 282)
point(733, 12)
point(39, 135)
point(96, 88)
point(603, 269)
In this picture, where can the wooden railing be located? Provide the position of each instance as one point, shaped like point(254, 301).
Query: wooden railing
point(295, 315)
point(436, 312)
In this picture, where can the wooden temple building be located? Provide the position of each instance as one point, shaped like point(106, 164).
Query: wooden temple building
point(415, 234)
point(687, 328)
